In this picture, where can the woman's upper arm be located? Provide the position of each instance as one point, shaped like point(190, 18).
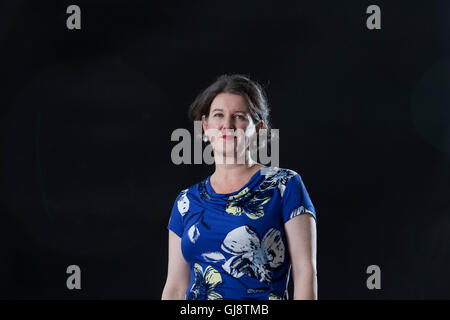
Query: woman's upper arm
point(301, 241)
point(178, 271)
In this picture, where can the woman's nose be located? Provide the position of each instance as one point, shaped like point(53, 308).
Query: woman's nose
point(228, 123)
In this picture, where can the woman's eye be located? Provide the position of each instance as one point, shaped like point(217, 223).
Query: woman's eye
point(238, 116)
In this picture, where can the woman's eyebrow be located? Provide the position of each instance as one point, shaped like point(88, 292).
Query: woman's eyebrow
point(219, 109)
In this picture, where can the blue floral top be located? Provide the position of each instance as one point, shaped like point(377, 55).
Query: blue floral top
point(235, 243)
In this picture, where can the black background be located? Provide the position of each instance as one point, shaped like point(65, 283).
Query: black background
point(87, 116)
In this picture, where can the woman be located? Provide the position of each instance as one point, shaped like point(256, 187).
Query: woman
point(238, 233)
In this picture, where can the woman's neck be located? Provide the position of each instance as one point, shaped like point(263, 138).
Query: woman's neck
point(234, 173)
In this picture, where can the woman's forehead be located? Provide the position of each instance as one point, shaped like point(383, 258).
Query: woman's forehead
point(229, 101)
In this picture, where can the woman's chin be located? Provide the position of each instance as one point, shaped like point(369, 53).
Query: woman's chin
point(230, 157)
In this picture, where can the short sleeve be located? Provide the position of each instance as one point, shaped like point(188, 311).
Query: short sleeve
point(296, 200)
point(176, 216)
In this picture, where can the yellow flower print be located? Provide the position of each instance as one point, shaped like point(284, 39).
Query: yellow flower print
point(205, 284)
point(232, 207)
point(273, 296)
point(249, 203)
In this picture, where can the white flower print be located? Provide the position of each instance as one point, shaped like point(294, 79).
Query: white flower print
point(250, 255)
point(276, 177)
point(213, 257)
point(298, 211)
point(269, 171)
point(193, 233)
point(183, 202)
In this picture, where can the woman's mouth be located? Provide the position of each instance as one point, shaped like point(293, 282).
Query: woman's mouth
point(227, 137)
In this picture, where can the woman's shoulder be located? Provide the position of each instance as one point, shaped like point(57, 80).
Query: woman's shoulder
point(278, 172)
point(192, 189)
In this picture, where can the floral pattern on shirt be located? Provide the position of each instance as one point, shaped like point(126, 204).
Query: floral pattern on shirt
point(276, 178)
point(249, 255)
point(202, 191)
point(243, 258)
point(247, 202)
point(251, 203)
point(183, 202)
point(205, 284)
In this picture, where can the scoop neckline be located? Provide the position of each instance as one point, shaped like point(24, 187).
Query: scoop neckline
point(250, 182)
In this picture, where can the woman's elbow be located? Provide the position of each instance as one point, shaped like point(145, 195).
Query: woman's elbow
point(305, 283)
point(304, 270)
point(174, 292)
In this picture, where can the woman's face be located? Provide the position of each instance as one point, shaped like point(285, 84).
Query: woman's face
point(229, 125)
